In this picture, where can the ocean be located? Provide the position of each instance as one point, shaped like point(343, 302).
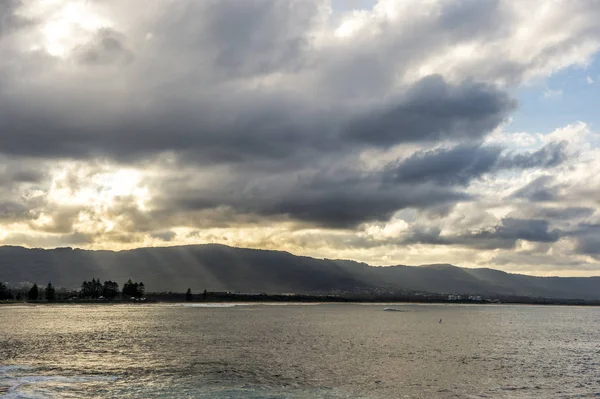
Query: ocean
point(299, 351)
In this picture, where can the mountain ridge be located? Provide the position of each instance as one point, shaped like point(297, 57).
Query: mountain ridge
point(224, 268)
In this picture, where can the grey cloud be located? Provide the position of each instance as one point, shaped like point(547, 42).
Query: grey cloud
point(539, 190)
point(12, 210)
point(107, 47)
point(505, 235)
point(236, 126)
point(550, 155)
point(164, 235)
point(534, 230)
point(237, 39)
point(332, 201)
point(467, 18)
point(9, 20)
point(587, 238)
point(61, 220)
point(18, 181)
point(14, 172)
point(259, 36)
point(565, 213)
point(433, 110)
point(461, 164)
point(455, 166)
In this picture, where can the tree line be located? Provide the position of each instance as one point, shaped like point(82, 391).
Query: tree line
point(94, 289)
point(110, 289)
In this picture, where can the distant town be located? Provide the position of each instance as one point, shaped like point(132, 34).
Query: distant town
point(95, 291)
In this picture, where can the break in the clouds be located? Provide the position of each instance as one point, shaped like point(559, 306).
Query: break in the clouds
point(380, 134)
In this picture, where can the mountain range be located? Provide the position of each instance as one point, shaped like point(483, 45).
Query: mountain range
point(223, 268)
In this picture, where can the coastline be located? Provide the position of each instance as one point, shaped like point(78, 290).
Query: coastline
point(305, 299)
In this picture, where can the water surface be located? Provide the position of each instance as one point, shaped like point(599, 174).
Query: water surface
point(299, 351)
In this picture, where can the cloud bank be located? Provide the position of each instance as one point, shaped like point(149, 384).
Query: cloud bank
point(380, 135)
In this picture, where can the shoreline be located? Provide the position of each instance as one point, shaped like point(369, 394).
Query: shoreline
point(295, 301)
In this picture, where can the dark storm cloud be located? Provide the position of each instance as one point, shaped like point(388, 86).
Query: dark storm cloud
point(459, 165)
point(433, 110)
point(454, 166)
point(329, 201)
point(238, 126)
point(350, 206)
point(502, 236)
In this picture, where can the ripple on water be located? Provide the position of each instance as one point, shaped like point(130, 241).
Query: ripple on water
point(25, 382)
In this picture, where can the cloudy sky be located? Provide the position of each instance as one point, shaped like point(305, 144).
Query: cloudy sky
point(390, 131)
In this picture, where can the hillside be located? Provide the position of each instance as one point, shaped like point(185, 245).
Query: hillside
point(223, 268)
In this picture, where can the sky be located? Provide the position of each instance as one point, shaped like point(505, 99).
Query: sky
point(387, 132)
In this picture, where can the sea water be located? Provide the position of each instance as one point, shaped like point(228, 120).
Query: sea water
point(299, 351)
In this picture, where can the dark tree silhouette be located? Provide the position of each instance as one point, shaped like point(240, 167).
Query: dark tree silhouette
point(91, 289)
point(50, 293)
point(110, 289)
point(18, 298)
point(33, 293)
point(4, 292)
point(188, 295)
point(135, 290)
